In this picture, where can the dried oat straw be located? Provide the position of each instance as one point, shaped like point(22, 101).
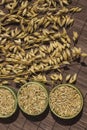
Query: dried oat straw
point(33, 98)
point(65, 101)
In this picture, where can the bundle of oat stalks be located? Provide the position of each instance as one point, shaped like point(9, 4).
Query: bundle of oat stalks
point(34, 40)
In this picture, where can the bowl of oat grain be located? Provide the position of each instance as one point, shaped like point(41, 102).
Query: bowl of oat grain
point(33, 98)
point(8, 102)
point(65, 101)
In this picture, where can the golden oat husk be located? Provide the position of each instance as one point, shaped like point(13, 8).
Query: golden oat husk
point(75, 36)
point(75, 9)
point(84, 54)
point(68, 77)
point(73, 78)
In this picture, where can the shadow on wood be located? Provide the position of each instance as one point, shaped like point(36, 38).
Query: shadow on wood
point(37, 118)
point(84, 64)
point(10, 119)
point(67, 121)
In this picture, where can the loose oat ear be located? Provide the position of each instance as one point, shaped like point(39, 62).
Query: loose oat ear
point(75, 9)
point(75, 36)
point(84, 54)
point(40, 78)
point(68, 77)
point(73, 78)
point(34, 39)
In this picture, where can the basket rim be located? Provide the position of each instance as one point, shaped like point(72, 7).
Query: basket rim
point(15, 98)
point(41, 85)
point(78, 90)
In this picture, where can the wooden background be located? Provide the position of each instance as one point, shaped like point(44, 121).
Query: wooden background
point(48, 121)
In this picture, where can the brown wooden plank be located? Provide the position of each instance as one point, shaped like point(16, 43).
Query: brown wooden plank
point(2, 127)
point(57, 126)
point(30, 126)
point(85, 107)
point(12, 127)
point(47, 123)
point(77, 128)
point(82, 15)
point(83, 2)
point(19, 122)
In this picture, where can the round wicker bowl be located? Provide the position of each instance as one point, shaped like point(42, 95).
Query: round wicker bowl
point(8, 102)
point(65, 101)
point(33, 98)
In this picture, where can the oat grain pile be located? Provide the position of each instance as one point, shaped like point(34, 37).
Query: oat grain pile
point(31, 95)
point(7, 102)
point(65, 101)
point(34, 40)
